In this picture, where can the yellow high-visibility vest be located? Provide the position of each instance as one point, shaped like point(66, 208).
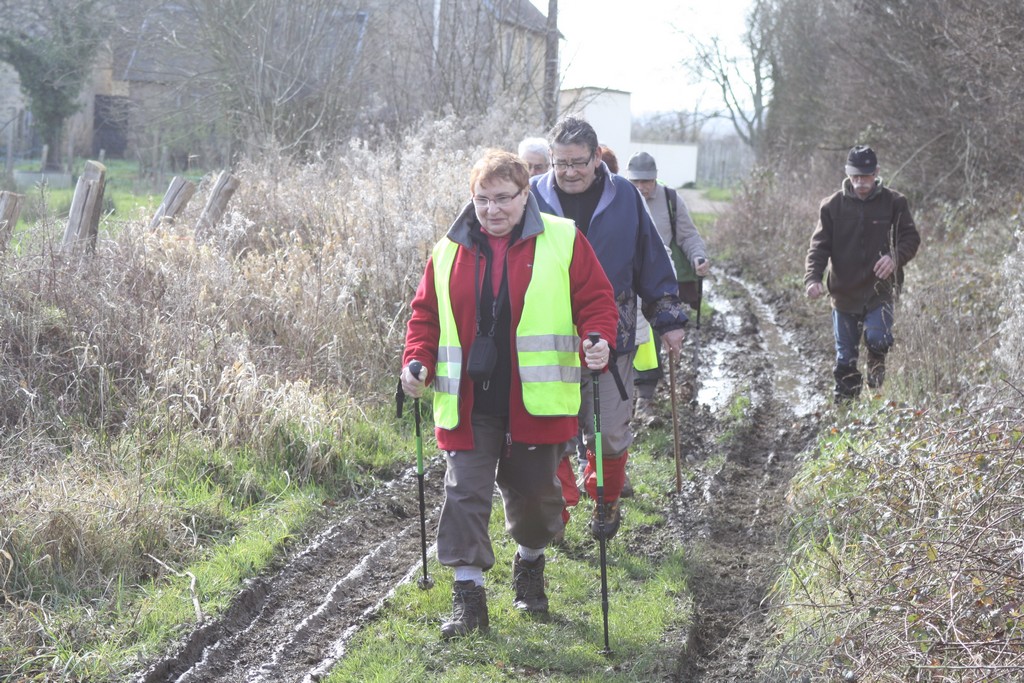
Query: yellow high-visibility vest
point(646, 357)
point(547, 343)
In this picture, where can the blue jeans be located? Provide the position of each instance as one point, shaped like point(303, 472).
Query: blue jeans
point(875, 325)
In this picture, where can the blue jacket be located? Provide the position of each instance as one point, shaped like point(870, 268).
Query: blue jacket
point(632, 253)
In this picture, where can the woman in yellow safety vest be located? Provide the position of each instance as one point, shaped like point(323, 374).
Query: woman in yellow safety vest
point(496, 323)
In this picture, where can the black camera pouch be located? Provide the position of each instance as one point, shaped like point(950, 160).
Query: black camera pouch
point(483, 356)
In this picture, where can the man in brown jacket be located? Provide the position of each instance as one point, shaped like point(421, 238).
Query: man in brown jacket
point(865, 235)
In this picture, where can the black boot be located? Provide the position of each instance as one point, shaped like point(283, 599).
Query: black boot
point(469, 610)
point(876, 369)
point(848, 382)
point(528, 582)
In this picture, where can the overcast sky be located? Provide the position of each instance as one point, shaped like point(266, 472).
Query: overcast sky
point(637, 46)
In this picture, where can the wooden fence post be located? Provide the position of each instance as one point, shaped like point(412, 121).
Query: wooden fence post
point(84, 218)
point(9, 164)
point(10, 209)
point(217, 204)
point(178, 195)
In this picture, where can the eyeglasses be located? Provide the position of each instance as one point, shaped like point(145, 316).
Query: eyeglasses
point(501, 201)
point(568, 165)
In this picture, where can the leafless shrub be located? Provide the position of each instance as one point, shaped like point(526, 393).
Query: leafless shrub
point(907, 551)
point(779, 208)
point(932, 85)
point(272, 337)
point(1010, 351)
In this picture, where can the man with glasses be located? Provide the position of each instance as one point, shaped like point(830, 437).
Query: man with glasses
point(614, 217)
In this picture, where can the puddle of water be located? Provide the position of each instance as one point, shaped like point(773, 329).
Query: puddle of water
point(716, 381)
point(792, 376)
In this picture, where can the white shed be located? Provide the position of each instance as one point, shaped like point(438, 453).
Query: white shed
point(609, 113)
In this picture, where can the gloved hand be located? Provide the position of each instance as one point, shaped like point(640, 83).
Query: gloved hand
point(413, 385)
point(596, 355)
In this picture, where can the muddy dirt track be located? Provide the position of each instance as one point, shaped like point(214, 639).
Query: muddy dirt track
point(295, 623)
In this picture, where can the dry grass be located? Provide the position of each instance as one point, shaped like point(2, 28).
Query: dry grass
point(914, 570)
point(906, 549)
point(153, 365)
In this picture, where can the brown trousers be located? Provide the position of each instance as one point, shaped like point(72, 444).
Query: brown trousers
point(530, 491)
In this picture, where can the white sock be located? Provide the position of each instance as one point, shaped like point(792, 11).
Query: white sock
point(474, 574)
point(530, 554)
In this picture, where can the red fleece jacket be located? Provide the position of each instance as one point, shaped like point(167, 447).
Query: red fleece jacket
point(593, 307)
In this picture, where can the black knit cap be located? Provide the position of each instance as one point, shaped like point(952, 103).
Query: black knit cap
point(861, 161)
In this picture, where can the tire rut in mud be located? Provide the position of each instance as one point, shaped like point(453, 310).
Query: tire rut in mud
point(294, 625)
point(734, 525)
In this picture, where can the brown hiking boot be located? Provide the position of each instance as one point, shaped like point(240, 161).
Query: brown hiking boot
point(528, 582)
point(612, 520)
point(469, 610)
point(645, 413)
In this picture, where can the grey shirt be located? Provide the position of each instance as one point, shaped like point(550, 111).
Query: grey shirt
point(687, 237)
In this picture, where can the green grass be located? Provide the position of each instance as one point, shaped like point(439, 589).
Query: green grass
point(95, 634)
point(127, 195)
point(239, 509)
point(649, 605)
point(719, 194)
point(704, 221)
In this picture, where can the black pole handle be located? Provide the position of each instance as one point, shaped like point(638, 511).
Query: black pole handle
point(425, 582)
point(415, 367)
point(594, 337)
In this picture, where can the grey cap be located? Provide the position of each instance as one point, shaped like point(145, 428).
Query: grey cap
point(641, 166)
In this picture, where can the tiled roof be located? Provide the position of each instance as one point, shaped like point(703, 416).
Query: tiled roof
point(520, 13)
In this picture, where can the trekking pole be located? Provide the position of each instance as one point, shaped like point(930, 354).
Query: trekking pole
point(700, 305)
point(425, 582)
point(675, 417)
point(594, 337)
point(700, 293)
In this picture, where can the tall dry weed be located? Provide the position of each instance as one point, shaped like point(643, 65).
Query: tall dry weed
point(768, 227)
point(271, 335)
point(906, 563)
point(1010, 349)
point(954, 306)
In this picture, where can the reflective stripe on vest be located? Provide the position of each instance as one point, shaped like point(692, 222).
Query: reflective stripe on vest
point(546, 340)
